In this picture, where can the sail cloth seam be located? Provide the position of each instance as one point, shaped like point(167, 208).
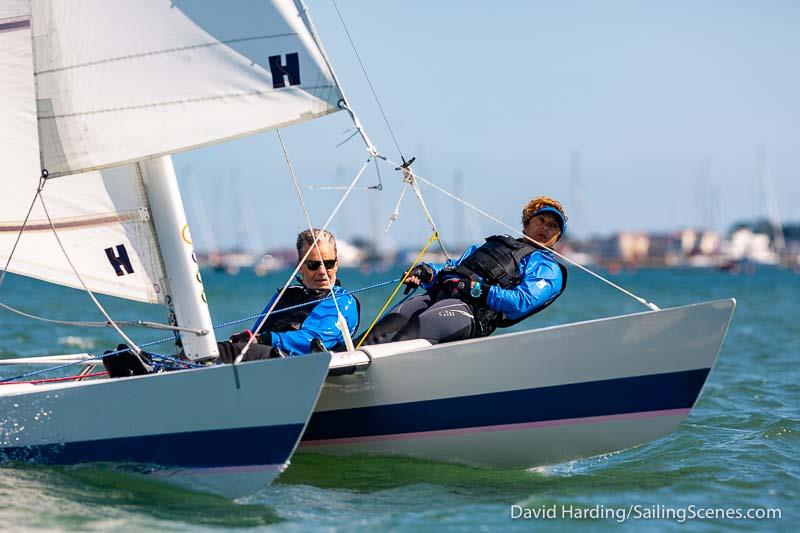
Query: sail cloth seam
point(300, 262)
point(165, 51)
point(133, 345)
point(82, 169)
point(75, 222)
point(229, 96)
point(14, 23)
point(639, 299)
point(342, 322)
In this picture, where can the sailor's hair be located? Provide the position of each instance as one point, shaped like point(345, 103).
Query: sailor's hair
point(538, 203)
point(306, 238)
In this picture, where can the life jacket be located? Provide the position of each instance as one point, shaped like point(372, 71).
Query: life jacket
point(496, 262)
point(292, 319)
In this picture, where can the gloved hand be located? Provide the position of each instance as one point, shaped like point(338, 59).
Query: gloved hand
point(244, 336)
point(265, 337)
point(422, 273)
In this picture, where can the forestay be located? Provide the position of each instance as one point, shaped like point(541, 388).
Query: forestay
point(127, 80)
point(102, 218)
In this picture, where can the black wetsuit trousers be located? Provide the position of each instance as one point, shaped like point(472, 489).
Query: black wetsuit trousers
point(228, 351)
point(423, 317)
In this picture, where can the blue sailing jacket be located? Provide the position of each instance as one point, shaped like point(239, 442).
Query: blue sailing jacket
point(541, 282)
point(321, 323)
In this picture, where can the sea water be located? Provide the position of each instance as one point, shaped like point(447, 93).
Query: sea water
point(738, 452)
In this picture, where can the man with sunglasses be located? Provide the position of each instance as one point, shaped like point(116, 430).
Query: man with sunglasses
point(311, 321)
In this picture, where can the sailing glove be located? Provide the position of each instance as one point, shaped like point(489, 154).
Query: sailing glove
point(244, 336)
point(265, 337)
point(423, 272)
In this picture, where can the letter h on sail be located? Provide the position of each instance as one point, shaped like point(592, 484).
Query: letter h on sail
point(119, 261)
point(289, 69)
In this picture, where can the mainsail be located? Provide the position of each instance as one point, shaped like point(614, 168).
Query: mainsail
point(124, 80)
point(147, 78)
point(102, 218)
point(93, 212)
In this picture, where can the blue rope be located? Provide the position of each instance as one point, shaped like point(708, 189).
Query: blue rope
point(166, 339)
point(98, 357)
point(290, 308)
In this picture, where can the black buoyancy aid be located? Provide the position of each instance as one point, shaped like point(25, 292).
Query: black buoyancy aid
point(496, 262)
point(292, 320)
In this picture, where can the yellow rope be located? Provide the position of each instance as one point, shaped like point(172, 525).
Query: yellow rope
point(434, 237)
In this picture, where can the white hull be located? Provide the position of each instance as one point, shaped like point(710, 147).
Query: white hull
point(525, 399)
point(194, 428)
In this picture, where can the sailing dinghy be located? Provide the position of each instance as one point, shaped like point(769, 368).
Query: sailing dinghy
point(110, 105)
point(524, 399)
point(95, 96)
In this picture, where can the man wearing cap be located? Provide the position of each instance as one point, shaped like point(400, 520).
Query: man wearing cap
point(497, 284)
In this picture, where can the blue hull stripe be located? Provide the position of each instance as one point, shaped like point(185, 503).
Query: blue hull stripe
point(197, 449)
point(656, 392)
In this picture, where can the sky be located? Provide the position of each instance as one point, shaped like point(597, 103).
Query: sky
point(636, 115)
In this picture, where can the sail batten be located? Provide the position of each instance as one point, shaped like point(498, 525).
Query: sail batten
point(74, 222)
point(151, 53)
point(182, 102)
point(159, 77)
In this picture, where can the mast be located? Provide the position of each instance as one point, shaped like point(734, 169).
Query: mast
point(185, 296)
point(576, 187)
point(769, 202)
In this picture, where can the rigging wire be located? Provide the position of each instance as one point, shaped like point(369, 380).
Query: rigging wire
point(217, 326)
point(122, 334)
point(369, 81)
point(343, 324)
point(300, 262)
point(22, 227)
point(434, 236)
point(373, 152)
point(639, 299)
point(78, 323)
point(407, 170)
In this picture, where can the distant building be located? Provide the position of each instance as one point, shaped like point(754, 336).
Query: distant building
point(744, 244)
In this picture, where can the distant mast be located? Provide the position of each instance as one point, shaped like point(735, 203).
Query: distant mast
point(769, 202)
point(576, 187)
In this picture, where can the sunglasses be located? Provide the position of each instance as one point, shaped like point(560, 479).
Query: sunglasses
point(313, 264)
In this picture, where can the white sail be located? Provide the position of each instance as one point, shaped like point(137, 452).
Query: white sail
point(93, 212)
point(17, 109)
point(123, 80)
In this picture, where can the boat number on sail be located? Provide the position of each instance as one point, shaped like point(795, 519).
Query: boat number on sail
point(120, 260)
point(285, 69)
